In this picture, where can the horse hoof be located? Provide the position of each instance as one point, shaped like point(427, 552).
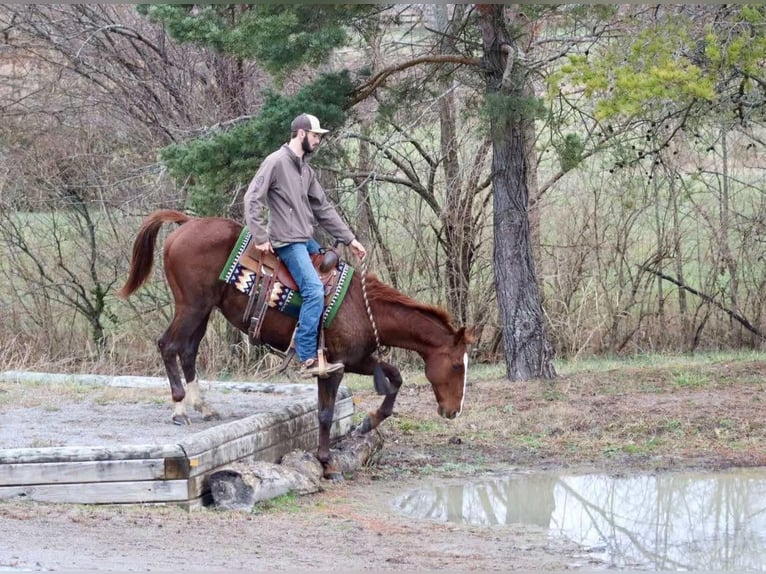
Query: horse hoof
point(214, 416)
point(181, 420)
point(365, 427)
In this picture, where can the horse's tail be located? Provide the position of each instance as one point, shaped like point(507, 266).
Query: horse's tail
point(143, 248)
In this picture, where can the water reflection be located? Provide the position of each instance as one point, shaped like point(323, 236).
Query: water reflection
point(710, 521)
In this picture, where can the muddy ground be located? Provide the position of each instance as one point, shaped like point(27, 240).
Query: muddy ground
point(626, 420)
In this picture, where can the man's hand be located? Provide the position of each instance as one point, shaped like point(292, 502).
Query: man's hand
point(358, 249)
point(265, 247)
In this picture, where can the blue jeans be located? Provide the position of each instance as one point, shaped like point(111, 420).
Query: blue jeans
point(296, 258)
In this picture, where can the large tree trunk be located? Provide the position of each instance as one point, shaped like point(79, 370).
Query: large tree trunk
point(528, 353)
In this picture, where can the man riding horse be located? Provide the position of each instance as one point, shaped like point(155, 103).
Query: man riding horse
point(287, 185)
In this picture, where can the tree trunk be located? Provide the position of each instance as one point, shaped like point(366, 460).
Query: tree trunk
point(528, 353)
point(456, 215)
point(241, 485)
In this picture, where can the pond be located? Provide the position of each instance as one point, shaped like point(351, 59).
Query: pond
point(670, 521)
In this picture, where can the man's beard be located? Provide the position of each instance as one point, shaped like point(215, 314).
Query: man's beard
point(306, 145)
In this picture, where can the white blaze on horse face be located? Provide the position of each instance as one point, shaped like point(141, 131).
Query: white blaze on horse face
point(465, 381)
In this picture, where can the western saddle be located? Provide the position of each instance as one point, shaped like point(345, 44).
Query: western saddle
point(269, 269)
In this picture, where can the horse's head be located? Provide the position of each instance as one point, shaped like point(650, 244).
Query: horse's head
point(447, 370)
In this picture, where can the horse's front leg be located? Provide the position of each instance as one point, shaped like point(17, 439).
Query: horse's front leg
point(388, 381)
point(327, 392)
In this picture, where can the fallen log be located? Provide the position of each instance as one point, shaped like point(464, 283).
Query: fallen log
point(356, 451)
point(241, 485)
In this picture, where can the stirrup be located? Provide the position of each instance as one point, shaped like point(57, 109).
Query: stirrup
point(319, 368)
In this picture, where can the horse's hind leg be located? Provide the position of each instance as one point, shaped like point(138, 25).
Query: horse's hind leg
point(169, 353)
point(177, 341)
point(188, 356)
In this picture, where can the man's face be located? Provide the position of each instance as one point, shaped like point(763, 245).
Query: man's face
point(310, 141)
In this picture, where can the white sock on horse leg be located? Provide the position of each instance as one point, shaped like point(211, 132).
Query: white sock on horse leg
point(194, 396)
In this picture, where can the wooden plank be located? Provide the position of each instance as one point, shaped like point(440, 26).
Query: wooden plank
point(176, 467)
point(341, 427)
point(212, 437)
point(101, 492)
point(230, 447)
point(88, 453)
point(247, 444)
point(82, 471)
point(198, 484)
point(159, 474)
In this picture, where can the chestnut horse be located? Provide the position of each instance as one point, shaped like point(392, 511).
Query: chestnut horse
point(194, 255)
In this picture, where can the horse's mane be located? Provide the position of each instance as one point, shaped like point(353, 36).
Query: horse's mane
point(376, 289)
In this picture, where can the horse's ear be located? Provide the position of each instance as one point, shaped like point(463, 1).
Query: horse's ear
point(466, 335)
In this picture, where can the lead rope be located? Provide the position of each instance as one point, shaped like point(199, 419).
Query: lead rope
point(367, 305)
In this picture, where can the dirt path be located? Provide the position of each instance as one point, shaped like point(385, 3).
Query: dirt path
point(650, 419)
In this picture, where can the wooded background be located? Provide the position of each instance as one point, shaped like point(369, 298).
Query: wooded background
point(576, 180)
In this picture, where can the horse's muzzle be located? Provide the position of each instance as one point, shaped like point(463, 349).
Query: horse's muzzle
point(448, 413)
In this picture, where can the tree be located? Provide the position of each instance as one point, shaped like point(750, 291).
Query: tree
point(677, 76)
point(60, 261)
point(511, 107)
point(510, 104)
point(218, 165)
point(89, 92)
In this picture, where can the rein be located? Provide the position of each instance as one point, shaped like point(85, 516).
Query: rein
point(367, 305)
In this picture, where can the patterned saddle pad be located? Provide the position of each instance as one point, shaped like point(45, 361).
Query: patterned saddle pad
point(238, 273)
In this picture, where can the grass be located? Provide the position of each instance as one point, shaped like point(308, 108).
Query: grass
point(484, 371)
point(407, 425)
point(643, 410)
point(603, 364)
point(691, 379)
point(285, 503)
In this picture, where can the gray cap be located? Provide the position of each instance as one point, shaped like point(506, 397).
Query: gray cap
point(308, 123)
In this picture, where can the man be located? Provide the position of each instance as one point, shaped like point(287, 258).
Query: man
point(287, 185)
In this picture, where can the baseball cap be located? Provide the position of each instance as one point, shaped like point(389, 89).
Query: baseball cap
point(307, 122)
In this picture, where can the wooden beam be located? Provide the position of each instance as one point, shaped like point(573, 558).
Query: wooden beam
point(82, 471)
point(198, 479)
point(173, 473)
point(88, 453)
point(100, 492)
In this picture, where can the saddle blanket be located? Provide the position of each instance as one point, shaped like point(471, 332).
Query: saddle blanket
point(282, 298)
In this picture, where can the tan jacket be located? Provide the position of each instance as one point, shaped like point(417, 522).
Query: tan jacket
point(288, 186)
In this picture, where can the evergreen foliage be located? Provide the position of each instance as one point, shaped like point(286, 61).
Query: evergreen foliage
point(505, 109)
point(654, 72)
point(570, 149)
point(673, 66)
point(281, 37)
point(212, 166)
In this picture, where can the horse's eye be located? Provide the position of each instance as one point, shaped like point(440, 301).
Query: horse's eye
point(457, 367)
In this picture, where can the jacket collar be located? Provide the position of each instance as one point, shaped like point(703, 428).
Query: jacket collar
point(298, 161)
